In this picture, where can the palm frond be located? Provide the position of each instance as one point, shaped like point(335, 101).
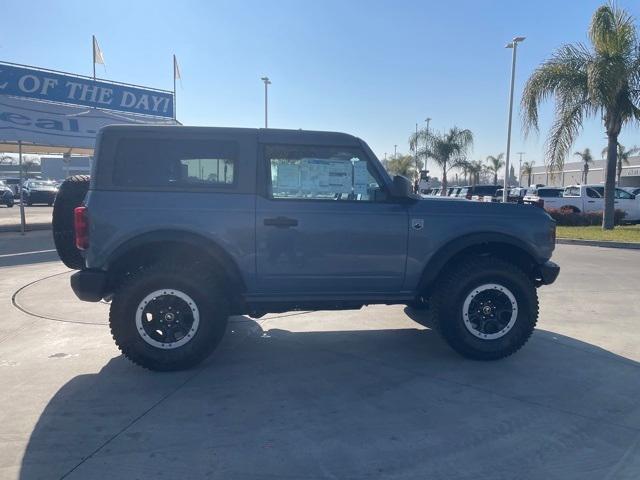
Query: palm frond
point(565, 129)
point(612, 31)
point(565, 73)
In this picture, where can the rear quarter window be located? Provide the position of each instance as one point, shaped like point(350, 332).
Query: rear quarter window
point(183, 164)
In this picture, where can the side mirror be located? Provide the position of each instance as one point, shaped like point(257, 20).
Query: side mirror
point(401, 187)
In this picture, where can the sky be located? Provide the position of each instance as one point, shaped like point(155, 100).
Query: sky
point(369, 68)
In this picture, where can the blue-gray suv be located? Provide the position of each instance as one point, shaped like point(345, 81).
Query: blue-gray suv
point(181, 227)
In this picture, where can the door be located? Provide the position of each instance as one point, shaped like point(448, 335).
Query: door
point(325, 225)
point(628, 204)
point(594, 201)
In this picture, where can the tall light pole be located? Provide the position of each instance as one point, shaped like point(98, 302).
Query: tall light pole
point(415, 149)
point(513, 44)
point(428, 120)
point(267, 82)
point(520, 169)
point(395, 151)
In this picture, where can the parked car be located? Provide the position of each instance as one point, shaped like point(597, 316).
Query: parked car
point(6, 195)
point(14, 185)
point(590, 198)
point(39, 191)
point(286, 220)
point(478, 192)
point(537, 196)
point(515, 195)
point(632, 190)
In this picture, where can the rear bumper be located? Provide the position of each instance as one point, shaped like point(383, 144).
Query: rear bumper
point(89, 285)
point(548, 272)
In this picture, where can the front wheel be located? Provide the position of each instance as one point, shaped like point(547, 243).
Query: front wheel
point(168, 318)
point(486, 308)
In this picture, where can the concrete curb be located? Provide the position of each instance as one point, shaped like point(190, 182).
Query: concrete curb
point(29, 227)
point(598, 243)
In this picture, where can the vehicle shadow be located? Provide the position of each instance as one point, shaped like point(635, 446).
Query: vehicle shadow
point(348, 404)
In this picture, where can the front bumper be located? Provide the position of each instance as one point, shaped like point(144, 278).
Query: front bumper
point(41, 196)
point(89, 285)
point(548, 272)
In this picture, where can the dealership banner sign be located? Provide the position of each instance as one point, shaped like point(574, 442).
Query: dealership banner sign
point(26, 82)
point(69, 126)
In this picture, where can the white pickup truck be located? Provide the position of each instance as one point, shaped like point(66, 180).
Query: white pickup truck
point(590, 198)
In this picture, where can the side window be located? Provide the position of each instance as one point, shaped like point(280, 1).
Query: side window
point(572, 192)
point(591, 193)
point(622, 194)
point(178, 164)
point(320, 173)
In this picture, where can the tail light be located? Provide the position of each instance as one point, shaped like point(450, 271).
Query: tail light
point(81, 227)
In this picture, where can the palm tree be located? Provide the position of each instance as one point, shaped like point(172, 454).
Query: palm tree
point(475, 169)
point(601, 81)
point(494, 166)
point(464, 166)
point(527, 169)
point(28, 165)
point(448, 149)
point(623, 158)
point(401, 165)
point(586, 158)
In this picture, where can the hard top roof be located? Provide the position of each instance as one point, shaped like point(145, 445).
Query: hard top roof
point(265, 135)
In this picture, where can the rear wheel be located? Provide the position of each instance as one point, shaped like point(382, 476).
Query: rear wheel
point(168, 318)
point(486, 308)
point(70, 195)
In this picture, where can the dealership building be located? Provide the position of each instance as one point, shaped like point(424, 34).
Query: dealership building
point(572, 174)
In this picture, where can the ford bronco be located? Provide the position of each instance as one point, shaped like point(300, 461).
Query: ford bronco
point(181, 227)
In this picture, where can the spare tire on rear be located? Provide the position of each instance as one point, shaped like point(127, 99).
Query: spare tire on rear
point(70, 195)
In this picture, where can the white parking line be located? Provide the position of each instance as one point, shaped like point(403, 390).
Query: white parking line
point(26, 253)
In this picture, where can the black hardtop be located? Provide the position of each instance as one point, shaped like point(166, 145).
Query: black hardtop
point(264, 135)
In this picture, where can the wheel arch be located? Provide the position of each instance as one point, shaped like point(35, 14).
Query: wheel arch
point(174, 245)
point(499, 245)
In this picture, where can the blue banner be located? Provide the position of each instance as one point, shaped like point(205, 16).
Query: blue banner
point(65, 88)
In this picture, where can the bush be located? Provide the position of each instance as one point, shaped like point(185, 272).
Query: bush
point(567, 218)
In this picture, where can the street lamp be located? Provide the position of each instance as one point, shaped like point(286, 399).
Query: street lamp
point(428, 120)
point(267, 82)
point(395, 151)
point(520, 169)
point(513, 45)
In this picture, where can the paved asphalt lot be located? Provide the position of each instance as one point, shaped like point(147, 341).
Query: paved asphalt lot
point(35, 214)
point(358, 395)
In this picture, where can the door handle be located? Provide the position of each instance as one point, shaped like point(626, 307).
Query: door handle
point(281, 222)
point(591, 201)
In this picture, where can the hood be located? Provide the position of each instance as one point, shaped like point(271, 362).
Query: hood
point(462, 207)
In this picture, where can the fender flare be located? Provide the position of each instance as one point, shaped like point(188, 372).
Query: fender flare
point(451, 249)
point(209, 246)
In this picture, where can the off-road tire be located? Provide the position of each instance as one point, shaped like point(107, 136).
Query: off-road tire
point(459, 281)
point(70, 195)
point(203, 288)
